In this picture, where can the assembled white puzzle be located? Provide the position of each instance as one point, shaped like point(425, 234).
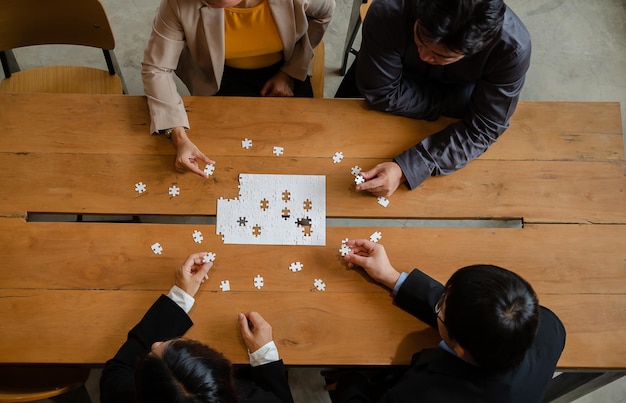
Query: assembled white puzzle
point(275, 210)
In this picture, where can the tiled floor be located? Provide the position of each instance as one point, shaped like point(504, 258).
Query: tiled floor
point(579, 54)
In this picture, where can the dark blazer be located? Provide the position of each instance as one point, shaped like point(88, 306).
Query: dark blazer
point(436, 375)
point(166, 320)
point(483, 89)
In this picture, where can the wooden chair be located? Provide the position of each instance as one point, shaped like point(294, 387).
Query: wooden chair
point(62, 22)
point(359, 10)
point(27, 383)
point(317, 71)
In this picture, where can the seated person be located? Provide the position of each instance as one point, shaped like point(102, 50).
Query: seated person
point(227, 47)
point(498, 344)
point(156, 364)
point(426, 59)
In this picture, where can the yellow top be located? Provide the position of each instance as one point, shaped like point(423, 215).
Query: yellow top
point(251, 37)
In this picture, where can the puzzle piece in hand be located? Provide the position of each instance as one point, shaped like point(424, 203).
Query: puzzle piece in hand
point(140, 187)
point(345, 249)
point(278, 150)
point(382, 201)
point(156, 248)
point(209, 169)
point(359, 179)
point(246, 143)
point(225, 285)
point(209, 257)
point(174, 191)
point(337, 157)
point(356, 170)
point(296, 266)
point(375, 237)
point(319, 284)
point(197, 236)
point(258, 281)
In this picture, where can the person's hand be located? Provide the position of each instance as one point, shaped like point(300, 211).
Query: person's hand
point(255, 330)
point(383, 179)
point(192, 273)
point(187, 154)
point(280, 85)
point(373, 258)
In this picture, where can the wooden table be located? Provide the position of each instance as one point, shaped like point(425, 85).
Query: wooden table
point(70, 291)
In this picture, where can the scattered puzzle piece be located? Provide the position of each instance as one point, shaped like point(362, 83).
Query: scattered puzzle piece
point(337, 157)
point(359, 179)
point(140, 187)
point(156, 248)
point(225, 285)
point(278, 150)
point(345, 249)
point(209, 169)
point(258, 281)
point(383, 202)
point(375, 237)
point(174, 191)
point(319, 284)
point(246, 143)
point(197, 236)
point(356, 170)
point(296, 266)
point(209, 257)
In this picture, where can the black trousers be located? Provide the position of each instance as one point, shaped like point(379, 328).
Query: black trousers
point(248, 82)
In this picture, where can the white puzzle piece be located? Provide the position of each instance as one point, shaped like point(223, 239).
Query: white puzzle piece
point(383, 201)
point(319, 284)
point(140, 187)
point(197, 236)
point(156, 248)
point(225, 285)
point(345, 249)
point(209, 257)
point(375, 237)
point(355, 170)
point(209, 169)
point(278, 151)
point(174, 191)
point(337, 157)
point(258, 281)
point(275, 210)
point(296, 266)
point(246, 143)
point(359, 179)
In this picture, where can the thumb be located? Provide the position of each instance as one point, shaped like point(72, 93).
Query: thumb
point(372, 173)
point(204, 269)
point(243, 326)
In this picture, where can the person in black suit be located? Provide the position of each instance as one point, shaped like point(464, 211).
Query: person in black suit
point(156, 364)
point(498, 344)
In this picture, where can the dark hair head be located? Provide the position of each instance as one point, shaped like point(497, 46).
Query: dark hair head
point(188, 371)
point(492, 313)
point(464, 26)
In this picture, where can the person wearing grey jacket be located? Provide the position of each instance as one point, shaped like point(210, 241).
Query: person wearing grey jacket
point(465, 59)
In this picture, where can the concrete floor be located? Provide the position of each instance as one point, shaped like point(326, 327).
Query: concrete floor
point(579, 54)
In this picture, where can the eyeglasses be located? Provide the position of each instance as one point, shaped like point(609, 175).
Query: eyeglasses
point(438, 307)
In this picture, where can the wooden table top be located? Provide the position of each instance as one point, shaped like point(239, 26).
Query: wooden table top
point(71, 291)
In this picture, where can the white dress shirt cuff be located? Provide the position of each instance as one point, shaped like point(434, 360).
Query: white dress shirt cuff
point(266, 354)
point(182, 299)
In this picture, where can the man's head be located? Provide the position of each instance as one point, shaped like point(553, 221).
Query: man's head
point(490, 314)
point(183, 370)
point(445, 31)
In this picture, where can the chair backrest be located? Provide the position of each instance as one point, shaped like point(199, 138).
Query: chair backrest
point(317, 70)
point(61, 22)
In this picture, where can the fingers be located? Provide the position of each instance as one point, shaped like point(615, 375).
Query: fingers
point(244, 326)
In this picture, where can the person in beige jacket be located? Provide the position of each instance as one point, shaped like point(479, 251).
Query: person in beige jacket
point(188, 39)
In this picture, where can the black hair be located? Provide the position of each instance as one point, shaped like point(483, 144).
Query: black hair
point(464, 26)
point(188, 371)
point(493, 313)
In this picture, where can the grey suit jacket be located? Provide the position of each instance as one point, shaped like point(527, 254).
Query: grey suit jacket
point(188, 37)
point(482, 89)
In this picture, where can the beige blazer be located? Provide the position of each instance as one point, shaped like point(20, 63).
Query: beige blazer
point(188, 38)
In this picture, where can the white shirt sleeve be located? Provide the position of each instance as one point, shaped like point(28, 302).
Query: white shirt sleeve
point(266, 354)
point(181, 298)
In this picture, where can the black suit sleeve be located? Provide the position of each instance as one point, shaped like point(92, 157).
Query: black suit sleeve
point(163, 321)
point(418, 295)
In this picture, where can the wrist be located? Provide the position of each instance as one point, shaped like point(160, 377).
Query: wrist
point(179, 135)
